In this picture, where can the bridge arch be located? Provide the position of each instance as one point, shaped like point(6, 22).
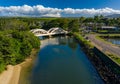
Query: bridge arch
point(51, 31)
point(56, 30)
point(39, 31)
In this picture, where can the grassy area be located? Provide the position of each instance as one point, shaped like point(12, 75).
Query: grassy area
point(108, 31)
point(110, 35)
point(102, 31)
point(103, 37)
point(103, 40)
point(83, 41)
point(115, 58)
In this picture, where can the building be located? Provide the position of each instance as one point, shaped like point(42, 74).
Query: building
point(108, 28)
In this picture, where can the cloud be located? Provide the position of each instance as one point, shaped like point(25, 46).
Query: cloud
point(90, 12)
point(41, 11)
point(26, 10)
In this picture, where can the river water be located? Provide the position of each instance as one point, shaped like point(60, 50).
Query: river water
point(114, 41)
point(61, 61)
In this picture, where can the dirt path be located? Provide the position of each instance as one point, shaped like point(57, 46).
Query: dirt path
point(15, 74)
point(12, 74)
point(5, 76)
point(104, 46)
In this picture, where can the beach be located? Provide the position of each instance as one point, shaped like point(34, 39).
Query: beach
point(11, 75)
point(18, 74)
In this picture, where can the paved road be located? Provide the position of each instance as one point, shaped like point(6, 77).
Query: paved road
point(104, 46)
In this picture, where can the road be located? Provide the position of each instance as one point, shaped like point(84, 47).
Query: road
point(104, 46)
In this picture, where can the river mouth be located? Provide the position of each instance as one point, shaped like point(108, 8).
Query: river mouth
point(62, 61)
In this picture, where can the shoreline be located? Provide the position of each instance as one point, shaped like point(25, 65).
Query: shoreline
point(13, 74)
point(105, 73)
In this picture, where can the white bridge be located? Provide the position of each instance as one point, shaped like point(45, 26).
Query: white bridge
point(50, 32)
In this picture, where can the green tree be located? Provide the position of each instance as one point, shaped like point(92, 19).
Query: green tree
point(74, 26)
point(63, 23)
point(15, 46)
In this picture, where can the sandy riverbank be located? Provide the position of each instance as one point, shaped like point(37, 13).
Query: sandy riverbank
point(15, 74)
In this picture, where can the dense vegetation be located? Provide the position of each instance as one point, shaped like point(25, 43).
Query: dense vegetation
point(70, 24)
point(15, 46)
point(83, 41)
point(16, 42)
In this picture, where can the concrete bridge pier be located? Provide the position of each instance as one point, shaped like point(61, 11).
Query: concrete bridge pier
point(50, 36)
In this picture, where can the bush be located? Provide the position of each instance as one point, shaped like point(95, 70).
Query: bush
point(83, 41)
point(15, 46)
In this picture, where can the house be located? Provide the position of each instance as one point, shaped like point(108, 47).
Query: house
point(108, 28)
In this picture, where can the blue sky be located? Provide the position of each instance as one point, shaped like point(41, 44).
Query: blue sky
point(37, 7)
point(64, 3)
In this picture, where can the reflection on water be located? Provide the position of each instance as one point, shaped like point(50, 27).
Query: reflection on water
point(114, 41)
point(61, 61)
point(59, 41)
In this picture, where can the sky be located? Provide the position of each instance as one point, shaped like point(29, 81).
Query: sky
point(59, 8)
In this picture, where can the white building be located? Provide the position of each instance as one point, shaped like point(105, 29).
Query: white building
point(109, 28)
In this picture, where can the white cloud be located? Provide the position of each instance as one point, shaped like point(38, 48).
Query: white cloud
point(91, 12)
point(40, 11)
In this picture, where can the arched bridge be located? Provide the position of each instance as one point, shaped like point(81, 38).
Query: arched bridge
point(52, 31)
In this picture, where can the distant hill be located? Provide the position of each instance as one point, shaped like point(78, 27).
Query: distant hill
point(113, 16)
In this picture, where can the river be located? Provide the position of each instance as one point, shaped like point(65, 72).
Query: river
point(61, 61)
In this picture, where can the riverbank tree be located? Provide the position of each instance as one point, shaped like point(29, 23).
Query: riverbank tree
point(15, 46)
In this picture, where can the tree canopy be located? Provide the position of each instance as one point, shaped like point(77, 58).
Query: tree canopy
point(15, 46)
